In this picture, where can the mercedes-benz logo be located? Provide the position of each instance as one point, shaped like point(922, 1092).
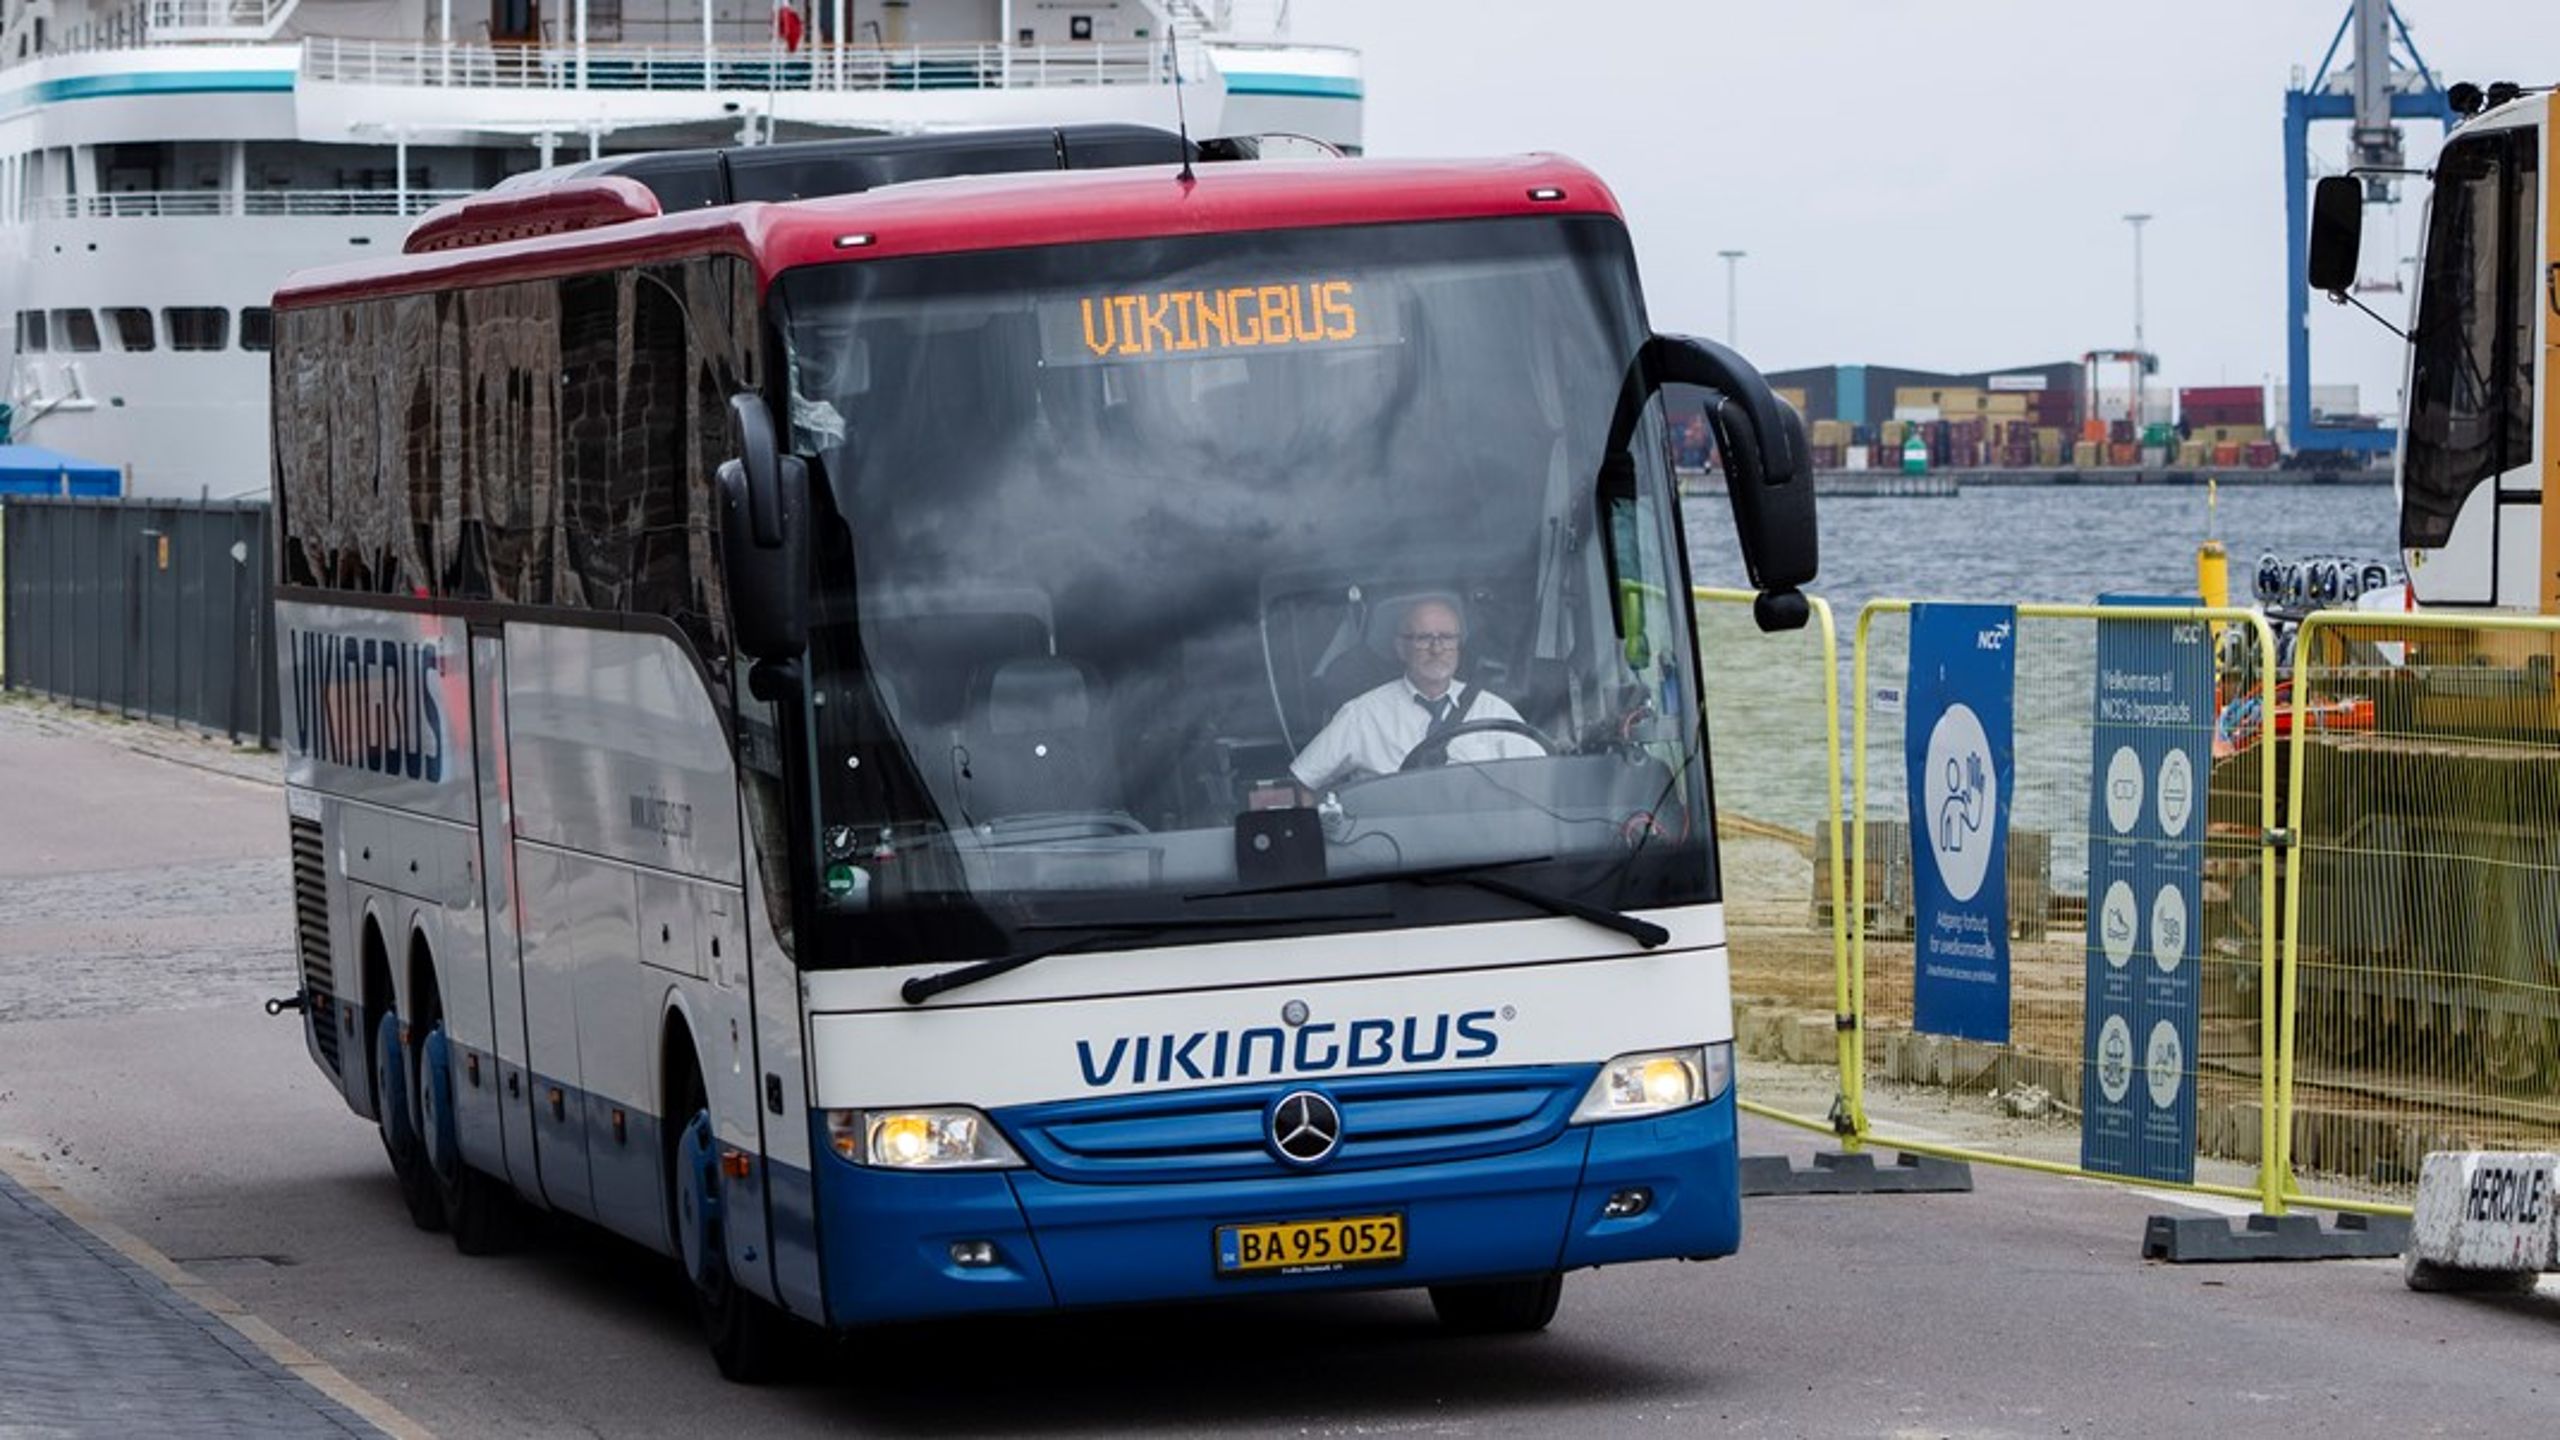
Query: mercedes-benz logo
point(1305, 1127)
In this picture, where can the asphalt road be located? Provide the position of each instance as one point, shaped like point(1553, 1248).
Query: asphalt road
point(2022, 1308)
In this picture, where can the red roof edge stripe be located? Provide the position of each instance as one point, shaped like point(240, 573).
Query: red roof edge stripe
point(519, 214)
point(996, 212)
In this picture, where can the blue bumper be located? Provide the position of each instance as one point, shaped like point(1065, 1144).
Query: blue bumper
point(887, 1238)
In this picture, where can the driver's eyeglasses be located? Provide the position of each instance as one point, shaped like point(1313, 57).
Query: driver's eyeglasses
point(1432, 640)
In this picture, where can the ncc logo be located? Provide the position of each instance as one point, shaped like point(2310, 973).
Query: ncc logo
point(1995, 638)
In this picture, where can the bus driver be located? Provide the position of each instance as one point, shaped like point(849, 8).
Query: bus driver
point(1374, 731)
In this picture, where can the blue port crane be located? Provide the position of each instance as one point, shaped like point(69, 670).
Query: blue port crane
point(2378, 88)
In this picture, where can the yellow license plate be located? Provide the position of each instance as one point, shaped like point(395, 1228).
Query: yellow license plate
point(1309, 1247)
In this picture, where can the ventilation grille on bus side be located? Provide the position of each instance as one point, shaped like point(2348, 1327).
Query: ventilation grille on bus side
point(311, 926)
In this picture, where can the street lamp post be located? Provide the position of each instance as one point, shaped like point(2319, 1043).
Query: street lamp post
point(1732, 265)
point(2141, 347)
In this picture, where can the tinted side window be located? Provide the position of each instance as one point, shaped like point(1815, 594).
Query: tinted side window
point(197, 327)
point(257, 328)
point(132, 327)
point(31, 332)
point(75, 330)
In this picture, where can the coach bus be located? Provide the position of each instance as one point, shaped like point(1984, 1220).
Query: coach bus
point(799, 717)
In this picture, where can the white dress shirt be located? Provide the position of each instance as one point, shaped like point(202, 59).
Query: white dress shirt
point(1373, 732)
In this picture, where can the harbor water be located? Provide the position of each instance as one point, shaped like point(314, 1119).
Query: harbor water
point(2058, 545)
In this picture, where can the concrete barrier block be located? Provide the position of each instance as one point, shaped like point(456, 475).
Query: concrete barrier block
point(1837, 1173)
point(2214, 1125)
point(1757, 1030)
point(2224, 1038)
point(2244, 1137)
point(2486, 1210)
point(1810, 1039)
point(1976, 1064)
point(2212, 1240)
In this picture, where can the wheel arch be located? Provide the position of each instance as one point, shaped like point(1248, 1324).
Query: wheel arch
point(419, 969)
point(379, 998)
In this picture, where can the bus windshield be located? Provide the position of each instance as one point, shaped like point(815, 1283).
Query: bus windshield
point(1160, 577)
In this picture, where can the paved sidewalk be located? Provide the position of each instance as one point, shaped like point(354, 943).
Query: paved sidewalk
point(95, 1344)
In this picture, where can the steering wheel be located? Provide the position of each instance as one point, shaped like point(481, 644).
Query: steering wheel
point(1434, 749)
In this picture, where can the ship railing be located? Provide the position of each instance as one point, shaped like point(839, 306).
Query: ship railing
point(188, 204)
point(157, 22)
point(820, 67)
point(1231, 19)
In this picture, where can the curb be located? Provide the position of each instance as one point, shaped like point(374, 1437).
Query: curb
point(295, 1360)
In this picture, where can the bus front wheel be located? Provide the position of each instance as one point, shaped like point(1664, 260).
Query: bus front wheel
point(1500, 1307)
point(750, 1339)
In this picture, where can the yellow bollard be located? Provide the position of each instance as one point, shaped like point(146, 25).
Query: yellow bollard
point(2213, 567)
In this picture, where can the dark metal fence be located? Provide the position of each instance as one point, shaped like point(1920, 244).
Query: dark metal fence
point(158, 610)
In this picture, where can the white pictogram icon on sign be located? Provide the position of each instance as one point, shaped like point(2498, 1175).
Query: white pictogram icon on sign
point(2115, 1059)
point(2116, 922)
point(2167, 1063)
point(2177, 798)
point(1964, 800)
point(2168, 928)
point(2124, 790)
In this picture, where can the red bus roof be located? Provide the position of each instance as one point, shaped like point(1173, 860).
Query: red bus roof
point(995, 212)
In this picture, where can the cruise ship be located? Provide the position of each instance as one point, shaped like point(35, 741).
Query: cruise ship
point(164, 164)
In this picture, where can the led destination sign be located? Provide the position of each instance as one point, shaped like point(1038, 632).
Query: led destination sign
point(1223, 320)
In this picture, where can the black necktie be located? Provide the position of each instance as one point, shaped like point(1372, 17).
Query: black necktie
point(1439, 708)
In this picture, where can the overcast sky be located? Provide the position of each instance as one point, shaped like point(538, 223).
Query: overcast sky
point(1936, 183)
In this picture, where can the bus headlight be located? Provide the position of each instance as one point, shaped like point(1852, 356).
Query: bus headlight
point(1655, 1082)
point(944, 1137)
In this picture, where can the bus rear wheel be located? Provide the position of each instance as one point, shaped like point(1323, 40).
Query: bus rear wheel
point(1499, 1307)
point(395, 1108)
point(479, 1210)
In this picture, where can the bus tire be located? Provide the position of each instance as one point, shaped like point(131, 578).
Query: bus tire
point(393, 1096)
point(751, 1341)
point(1499, 1307)
point(478, 1211)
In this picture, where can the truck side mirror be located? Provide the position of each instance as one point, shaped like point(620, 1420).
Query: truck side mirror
point(1768, 470)
point(764, 538)
point(2337, 233)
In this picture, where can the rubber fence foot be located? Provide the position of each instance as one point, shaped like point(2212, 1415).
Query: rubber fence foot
point(1835, 1172)
point(2212, 1240)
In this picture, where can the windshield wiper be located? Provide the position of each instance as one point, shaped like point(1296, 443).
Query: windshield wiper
point(1643, 932)
point(920, 988)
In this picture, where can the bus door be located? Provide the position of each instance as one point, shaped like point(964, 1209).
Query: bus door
point(566, 903)
point(503, 904)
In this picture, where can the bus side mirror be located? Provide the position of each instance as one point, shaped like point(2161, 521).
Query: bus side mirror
point(2337, 233)
point(1768, 470)
point(764, 538)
